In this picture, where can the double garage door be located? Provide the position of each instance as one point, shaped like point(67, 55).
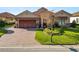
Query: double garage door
point(27, 23)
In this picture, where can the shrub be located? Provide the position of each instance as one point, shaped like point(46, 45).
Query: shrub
point(47, 30)
point(39, 25)
point(44, 25)
point(56, 24)
point(62, 30)
point(2, 23)
point(39, 29)
point(73, 24)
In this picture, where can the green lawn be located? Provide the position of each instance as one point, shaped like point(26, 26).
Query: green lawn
point(71, 36)
point(42, 37)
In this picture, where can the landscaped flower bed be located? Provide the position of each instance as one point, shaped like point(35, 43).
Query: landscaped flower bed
point(2, 32)
point(3, 26)
point(70, 36)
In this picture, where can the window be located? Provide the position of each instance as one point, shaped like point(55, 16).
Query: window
point(77, 20)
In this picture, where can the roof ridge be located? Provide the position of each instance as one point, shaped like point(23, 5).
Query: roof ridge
point(63, 11)
point(6, 15)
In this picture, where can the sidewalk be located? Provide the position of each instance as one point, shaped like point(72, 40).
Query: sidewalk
point(42, 48)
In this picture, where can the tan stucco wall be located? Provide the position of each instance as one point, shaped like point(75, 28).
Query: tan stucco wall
point(9, 20)
point(47, 17)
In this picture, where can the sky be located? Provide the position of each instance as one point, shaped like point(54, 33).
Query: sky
point(17, 10)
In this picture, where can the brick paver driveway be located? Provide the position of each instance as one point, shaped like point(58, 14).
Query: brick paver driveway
point(18, 37)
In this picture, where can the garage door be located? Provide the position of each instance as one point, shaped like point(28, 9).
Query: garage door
point(27, 23)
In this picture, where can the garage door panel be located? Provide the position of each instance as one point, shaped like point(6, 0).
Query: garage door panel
point(27, 23)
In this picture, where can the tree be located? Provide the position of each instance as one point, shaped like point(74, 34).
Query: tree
point(73, 24)
point(51, 37)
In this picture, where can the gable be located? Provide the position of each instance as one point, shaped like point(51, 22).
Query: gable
point(7, 15)
point(26, 14)
point(62, 13)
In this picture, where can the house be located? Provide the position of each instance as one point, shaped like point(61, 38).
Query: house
point(47, 17)
point(40, 18)
point(75, 16)
point(8, 17)
point(62, 17)
point(27, 19)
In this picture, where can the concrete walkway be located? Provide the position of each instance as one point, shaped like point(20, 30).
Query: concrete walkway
point(18, 39)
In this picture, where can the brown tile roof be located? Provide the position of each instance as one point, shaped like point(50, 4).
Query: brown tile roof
point(43, 11)
point(62, 13)
point(27, 14)
point(76, 14)
point(40, 10)
point(7, 15)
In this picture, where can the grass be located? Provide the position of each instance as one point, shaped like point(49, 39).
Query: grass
point(71, 36)
point(42, 37)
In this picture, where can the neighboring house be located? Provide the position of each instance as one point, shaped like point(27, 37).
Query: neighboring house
point(8, 17)
point(47, 17)
point(27, 19)
point(62, 17)
point(75, 16)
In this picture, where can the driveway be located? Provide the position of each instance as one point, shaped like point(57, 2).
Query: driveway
point(18, 37)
